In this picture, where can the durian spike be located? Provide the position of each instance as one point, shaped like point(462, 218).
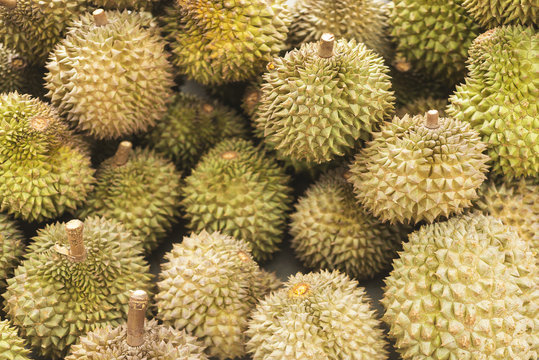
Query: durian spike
point(432, 119)
point(10, 4)
point(74, 229)
point(122, 154)
point(100, 17)
point(138, 302)
point(327, 41)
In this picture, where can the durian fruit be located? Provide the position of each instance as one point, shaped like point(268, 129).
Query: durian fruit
point(137, 340)
point(238, 190)
point(140, 189)
point(499, 98)
point(491, 13)
point(43, 169)
point(12, 67)
point(11, 249)
point(125, 4)
point(365, 21)
point(322, 315)
point(191, 126)
point(419, 168)
point(330, 231)
point(420, 106)
point(110, 75)
point(209, 286)
point(465, 288)
point(222, 41)
point(12, 346)
point(434, 36)
point(320, 100)
point(74, 279)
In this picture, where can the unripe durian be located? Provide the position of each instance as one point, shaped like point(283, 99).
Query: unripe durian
point(140, 189)
point(209, 286)
point(320, 100)
point(110, 75)
point(15, 74)
point(322, 316)
point(419, 168)
point(492, 13)
point(125, 4)
point(12, 346)
point(74, 279)
point(499, 98)
point(465, 288)
point(238, 190)
point(11, 249)
point(420, 106)
point(43, 170)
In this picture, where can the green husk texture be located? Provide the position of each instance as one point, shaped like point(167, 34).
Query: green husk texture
point(53, 300)
point(12, 346)
point(246, 196)
point(499, 98)
point(491, 13)
point(125, 4)
point(11, 248)
point(332, 320)
point(464, 289)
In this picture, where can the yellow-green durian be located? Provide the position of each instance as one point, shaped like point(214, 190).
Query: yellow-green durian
point(12, 346)
point(492, 13)
point(11, 249)
point(421, 106)
point(15, 73)
point(125, 4)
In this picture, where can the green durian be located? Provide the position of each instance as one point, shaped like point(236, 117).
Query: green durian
point(13, 70)
point(434, 36)
point(420, 106)
point(44, 170)
point(499, 98)
point(110, 75)
point(322, 315)
point(191, 126)
point(419, 168)
point(125, 4)
point(238, 190)
point(490, 13)
point(365, 21)
point(330, 231)
point(221, 41)
point(11, 249)
point(465, 288)
point(74, 279)
point(12, 346)
point(141, 190)
point(209, 286)
point(320, 100)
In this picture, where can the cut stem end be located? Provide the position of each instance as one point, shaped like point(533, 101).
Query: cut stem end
point(327, 42)
point(100, 17)
point(10, 4)
point(74, 229)
point(138, 303)
point(122, 154)
point(433, 119)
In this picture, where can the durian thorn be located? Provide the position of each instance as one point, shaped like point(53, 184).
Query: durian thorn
point(10, 4)
point(208, 108)
point(138, 303)
point(100, 17)
point(432, 119)
point(327, 42)
point(122, 154)
point(74, 229)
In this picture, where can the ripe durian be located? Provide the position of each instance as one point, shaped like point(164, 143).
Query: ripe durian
point(318, 316)
point(465, 288)
point(238, 190)
point(125, 4)
point(110, 75)
point(419, 168)
point(43, 169)
point(209, 286)
point(140, 189)
point(434, 35)
point(11, 249)
point(420, 106)
point(74, 279)
point(137, 340)
point(319, 101)
point(12, 346)
point(222, 41)
point(490, 13)
point(191, 126)
point(365, 21)
point(499, 98)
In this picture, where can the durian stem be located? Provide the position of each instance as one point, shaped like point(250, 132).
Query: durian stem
point(10, 4)
point(432, 119)
point(122, 154)
point(100, 17)
point(138, 302)
point(74, 229)
point(327, 42)
point(208, 108)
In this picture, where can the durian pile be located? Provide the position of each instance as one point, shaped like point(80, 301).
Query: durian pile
point(269, 179)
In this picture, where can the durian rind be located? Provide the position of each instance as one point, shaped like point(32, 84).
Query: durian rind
point(12, 346)
point(491, 13)
point(11, 249)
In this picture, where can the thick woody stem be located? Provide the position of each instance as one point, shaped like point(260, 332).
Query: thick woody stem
point(122, 154)
point(432, 119)
point(327, 42)
point(10, 4)
point(74, 229)
point(100, 17)
point(138, 302)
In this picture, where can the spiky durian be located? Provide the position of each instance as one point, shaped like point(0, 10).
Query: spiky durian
point(110, 75)
point(319, 101)
point(491, 13)
point(12, 346)
point(125, 4)
point(365, 21)
point(209, 286)
point(12, 71)
point(74, 279)
point(43, 171)
point(11, 249)
point(221, 41)
point(434, 35)
point(419, 168)
point(464, 289)
point(420, 106)
point(140, 189)
point(499, 98)
point(318, 316)
point(330, 231)
point(238, 190)
point(191, 126)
